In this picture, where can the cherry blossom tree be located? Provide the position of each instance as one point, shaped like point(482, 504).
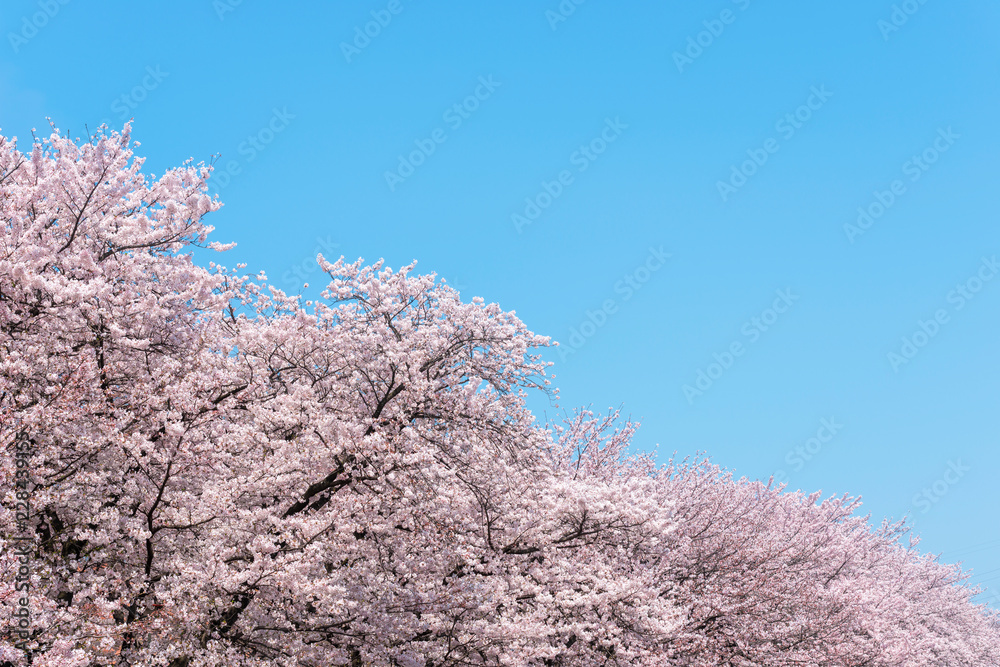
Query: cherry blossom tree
point(775, 578)
point(199, 469)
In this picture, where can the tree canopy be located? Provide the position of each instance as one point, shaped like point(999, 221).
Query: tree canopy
point(199, 469)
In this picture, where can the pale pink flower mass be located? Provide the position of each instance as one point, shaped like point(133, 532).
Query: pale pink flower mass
point(201, 470)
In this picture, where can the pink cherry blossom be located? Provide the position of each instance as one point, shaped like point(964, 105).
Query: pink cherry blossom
point(223, 475)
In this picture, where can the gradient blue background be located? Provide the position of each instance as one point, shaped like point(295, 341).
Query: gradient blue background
point(322, 178)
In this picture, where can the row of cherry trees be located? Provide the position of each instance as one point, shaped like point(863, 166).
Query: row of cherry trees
point(221, 474)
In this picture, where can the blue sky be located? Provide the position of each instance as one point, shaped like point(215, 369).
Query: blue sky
point(672, 191)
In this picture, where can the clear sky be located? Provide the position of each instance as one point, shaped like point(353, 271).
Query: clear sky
point(767, 230)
